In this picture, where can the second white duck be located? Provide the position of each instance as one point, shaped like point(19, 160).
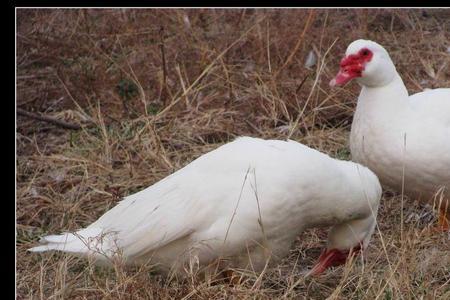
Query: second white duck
point(404, 139)
point(244, 202)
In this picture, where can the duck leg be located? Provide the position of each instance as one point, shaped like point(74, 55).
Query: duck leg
point(444, 219)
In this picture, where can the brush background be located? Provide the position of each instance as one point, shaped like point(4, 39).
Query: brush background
point(143, 119)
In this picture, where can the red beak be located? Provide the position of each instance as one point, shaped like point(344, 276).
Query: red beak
point(328, 258)
point(341, 78)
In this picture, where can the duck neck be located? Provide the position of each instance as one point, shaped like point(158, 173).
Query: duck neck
point(391, 98)
point(347, 235)
point(355, 196)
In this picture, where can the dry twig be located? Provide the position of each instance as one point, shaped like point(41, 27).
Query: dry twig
point(47, 119)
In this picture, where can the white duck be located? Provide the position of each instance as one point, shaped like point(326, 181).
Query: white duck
point(395, 134)
point(246, 201)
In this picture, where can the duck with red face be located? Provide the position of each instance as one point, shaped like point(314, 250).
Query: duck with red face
point(404, 139)
point(210, 214)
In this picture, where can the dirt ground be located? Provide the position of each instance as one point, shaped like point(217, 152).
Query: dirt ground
point(153, 89)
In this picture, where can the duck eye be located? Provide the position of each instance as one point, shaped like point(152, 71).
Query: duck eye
point(365, 52)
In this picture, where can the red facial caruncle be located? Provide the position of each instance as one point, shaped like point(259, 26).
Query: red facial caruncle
point(352, 66)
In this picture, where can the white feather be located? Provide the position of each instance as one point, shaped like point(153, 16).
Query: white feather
point(311, 60)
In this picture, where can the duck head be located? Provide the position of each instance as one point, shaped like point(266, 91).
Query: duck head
point(367, 62)
point(344, 241)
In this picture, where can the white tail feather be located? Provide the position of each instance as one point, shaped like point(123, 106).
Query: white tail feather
point(88, 241)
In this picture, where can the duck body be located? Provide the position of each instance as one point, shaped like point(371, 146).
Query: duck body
point(244, 202)
point(404, 140)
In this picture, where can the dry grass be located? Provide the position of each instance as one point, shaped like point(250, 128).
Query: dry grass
point(158, 88)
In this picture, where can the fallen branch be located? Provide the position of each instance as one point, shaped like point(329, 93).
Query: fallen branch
point(48, 119)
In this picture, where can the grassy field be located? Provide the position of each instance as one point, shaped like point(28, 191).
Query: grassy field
point(154, 89)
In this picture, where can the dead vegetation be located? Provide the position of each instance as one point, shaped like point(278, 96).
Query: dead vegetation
point(154, 89)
